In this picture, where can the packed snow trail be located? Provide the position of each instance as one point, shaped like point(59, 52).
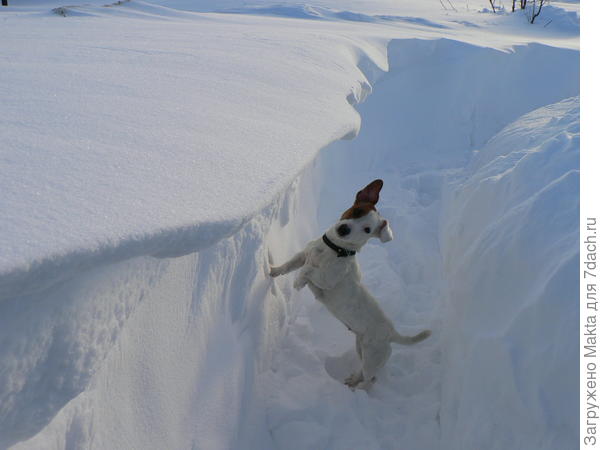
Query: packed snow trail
point(310, 407)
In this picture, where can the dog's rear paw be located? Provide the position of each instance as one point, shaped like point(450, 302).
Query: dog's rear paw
point(357, 381)
point(365, 385)
point(353, 380)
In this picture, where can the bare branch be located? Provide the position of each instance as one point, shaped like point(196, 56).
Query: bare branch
point(450, 3)
point(534, 14)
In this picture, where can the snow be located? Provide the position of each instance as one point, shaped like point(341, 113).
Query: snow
point(157, 156)
point(518, 314)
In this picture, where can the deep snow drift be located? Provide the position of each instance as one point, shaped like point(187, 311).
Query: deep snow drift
point(199, 141)
point(510, 251)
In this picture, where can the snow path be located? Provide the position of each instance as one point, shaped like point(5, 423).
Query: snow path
point(310, 407)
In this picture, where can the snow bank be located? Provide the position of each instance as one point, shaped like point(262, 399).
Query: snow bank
point(153, 353)
point(510, 250)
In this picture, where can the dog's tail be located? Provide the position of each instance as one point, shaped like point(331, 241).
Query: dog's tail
point(409, 340)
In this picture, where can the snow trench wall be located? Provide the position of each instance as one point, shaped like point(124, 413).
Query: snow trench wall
point(510, 246)
point(153, 353)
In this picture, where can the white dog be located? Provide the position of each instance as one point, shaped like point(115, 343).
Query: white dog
point(329, 268)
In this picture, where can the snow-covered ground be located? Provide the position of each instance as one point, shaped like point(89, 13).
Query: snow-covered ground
point(156, 156)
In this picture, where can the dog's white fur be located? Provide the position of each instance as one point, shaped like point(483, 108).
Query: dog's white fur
point(335, 282)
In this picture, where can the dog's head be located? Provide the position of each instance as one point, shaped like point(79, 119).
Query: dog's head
point(361, 221)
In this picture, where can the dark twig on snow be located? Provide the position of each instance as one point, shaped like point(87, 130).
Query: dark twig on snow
point(535, 13)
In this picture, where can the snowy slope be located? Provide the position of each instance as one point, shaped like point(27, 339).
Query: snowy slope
point(512, 324)
point(154, 130)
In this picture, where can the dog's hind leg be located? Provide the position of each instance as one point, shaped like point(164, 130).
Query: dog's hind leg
point(355, 378)
point(358, 347)
point(295, 263)
point(374, 356)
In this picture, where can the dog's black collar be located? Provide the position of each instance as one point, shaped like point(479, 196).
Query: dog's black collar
point(341, 252)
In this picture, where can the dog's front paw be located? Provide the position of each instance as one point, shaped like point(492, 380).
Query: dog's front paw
point(274, 271)
point(299, 283)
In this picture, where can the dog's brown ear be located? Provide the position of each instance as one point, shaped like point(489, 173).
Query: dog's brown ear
point(370, 194)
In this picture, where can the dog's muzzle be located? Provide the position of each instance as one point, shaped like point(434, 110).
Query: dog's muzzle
point(385, 232)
